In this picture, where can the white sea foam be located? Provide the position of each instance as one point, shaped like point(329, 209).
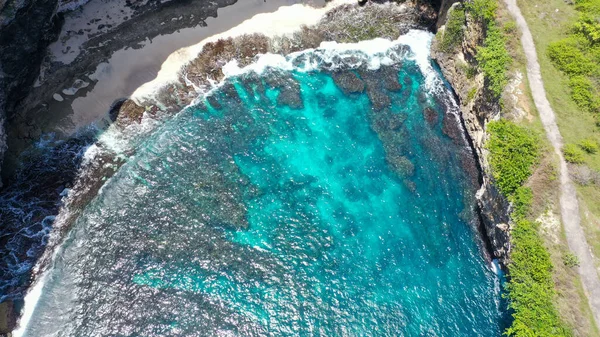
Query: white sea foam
point(31, 301)
point(374, 53)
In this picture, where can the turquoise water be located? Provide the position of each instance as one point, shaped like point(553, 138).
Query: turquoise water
point(286, 204)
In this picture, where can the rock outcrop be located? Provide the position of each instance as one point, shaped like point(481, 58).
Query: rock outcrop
point(26, 29)
point(478, 108)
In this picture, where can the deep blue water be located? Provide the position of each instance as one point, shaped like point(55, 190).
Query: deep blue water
point(285, 204)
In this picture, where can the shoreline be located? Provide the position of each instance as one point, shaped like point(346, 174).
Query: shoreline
point(112, 62)
point(490, 267)
point(98, 174)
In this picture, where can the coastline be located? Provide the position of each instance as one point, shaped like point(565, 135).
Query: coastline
point(145, 106)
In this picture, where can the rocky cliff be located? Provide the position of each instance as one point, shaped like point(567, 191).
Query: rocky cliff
point(26, 29)
point(478, 107)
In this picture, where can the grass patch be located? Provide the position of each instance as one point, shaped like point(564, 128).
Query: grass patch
point(578, 56)
point(573, 154)
point(551, 21)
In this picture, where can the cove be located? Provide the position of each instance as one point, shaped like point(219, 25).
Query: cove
point(329, 192)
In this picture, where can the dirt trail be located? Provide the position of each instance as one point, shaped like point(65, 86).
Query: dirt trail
point(569, 205)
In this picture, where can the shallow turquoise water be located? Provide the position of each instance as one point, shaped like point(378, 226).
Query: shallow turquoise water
point(328, 213)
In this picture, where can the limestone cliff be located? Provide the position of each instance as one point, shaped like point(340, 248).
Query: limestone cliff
point(478, 108)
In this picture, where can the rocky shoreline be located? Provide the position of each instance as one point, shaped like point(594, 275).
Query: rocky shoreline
point(477, 110)
point(207, 69)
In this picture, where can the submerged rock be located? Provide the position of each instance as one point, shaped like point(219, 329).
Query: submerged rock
point(348, 81)
point(431, 116)
point(289, 89)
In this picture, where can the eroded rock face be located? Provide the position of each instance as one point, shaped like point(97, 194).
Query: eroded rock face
point(458, 67)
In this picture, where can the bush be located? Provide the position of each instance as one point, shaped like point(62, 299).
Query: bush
point(531, 288)
point(484, 10)
point(494, 60)
point(521, 200)
point(584, 93)
point(513, 151)
point(571, 260)
point(589, 145)
point(567, 56)
point(578, 56)
point(573, 154)
point(588, 27)
point(591, 7)
point(510, 28)
point(453, 34)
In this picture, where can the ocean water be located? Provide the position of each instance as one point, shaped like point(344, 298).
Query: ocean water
point(331, 196)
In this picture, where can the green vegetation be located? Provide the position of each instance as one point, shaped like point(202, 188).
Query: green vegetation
point(453, 34)
point(471, 94)
point(531, 288)
point(578, 56)
point(589, 145)
point(521, 200)
point(571, 260)
point(573, 154)
point(492, 56)
point(583, 93)
point(494, 59)
point(551, 21)
point(568, 57)
point(483, 10)
point(513, 151)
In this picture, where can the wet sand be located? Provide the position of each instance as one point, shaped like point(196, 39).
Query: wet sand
point(105, 73)
point(129, 68)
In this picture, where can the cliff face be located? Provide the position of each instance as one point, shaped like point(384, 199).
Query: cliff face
point(459, 69)
point(26, 29)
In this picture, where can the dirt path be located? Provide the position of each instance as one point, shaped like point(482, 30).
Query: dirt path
point(569, 205)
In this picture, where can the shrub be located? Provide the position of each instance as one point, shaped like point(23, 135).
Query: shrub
point(494, 60)
point(531, 288)
point(588, 27)
point(521, 200)
point(589, 145)
point(591, 7)
point(584, 93)
point(510, 28)
point(453, 34)
point(571, 260)
point(471, 94)
point(573, 154)
point(484, 10)
point(567, 56)
point(513, 151)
